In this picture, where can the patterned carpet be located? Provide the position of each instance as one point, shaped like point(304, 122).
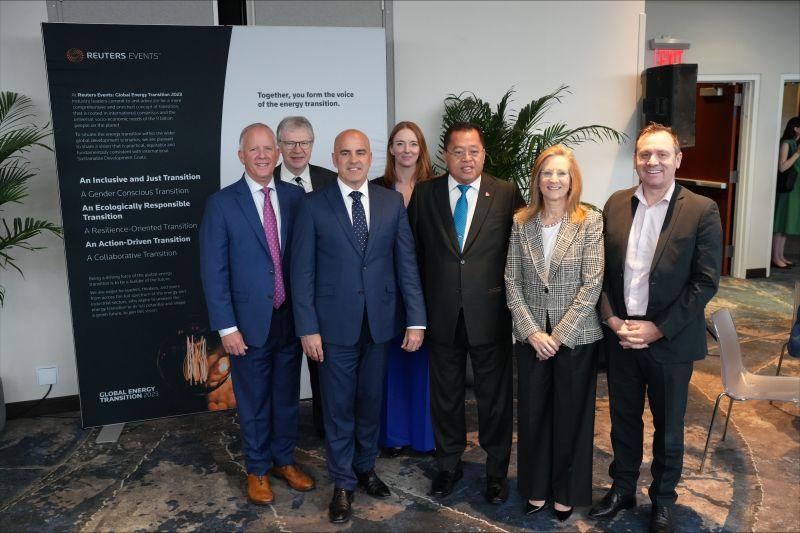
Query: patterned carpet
point(187, 473)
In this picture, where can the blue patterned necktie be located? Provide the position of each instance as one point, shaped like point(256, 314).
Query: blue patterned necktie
point(460, 215)
point(359, 220)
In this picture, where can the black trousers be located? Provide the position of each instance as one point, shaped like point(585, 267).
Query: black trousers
point(556, 424)
point(631, 375)
point(492, 369)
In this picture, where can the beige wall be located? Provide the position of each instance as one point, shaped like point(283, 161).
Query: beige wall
point(35, 323)
point(450, 47)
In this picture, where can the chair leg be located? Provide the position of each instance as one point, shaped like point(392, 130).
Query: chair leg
point(710, 427)
point(728, 419)
point(780, 359)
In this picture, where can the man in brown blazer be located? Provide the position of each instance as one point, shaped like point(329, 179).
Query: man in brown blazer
point(461, 223)
point(663, 258)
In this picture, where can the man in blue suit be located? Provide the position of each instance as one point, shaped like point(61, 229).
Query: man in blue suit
point(245, 251)
point(354, 277)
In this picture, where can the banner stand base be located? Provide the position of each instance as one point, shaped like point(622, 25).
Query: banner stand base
point(109, 434)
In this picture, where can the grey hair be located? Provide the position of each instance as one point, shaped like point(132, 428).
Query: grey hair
point(294, 123)
point(251, 127)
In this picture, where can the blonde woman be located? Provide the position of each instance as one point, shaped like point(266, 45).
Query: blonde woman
point(554, 275)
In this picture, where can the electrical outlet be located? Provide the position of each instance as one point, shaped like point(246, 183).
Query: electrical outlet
point(47, 375)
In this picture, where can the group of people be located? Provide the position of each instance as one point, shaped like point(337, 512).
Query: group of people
point(388, 286)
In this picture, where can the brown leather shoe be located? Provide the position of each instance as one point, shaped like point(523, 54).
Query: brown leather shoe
point(293, 475)
point(258, 490)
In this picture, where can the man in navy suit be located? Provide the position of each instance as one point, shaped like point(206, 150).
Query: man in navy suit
point(354, 276)
point(296, 139)
point(245, 240)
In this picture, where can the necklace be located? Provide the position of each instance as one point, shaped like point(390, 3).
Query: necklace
point(552, 224)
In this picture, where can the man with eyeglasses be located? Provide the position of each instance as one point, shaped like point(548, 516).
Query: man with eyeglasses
point(461, 223)
point(296, 140)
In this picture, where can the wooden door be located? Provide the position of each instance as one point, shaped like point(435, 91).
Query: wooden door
point(710, 166)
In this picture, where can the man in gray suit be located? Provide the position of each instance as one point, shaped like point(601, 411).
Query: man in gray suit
point(296, 140)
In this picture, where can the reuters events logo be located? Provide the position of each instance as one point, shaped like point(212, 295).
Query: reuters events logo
point(75, 55)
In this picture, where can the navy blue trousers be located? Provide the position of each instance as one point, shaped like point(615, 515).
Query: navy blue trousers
point(351, 382)
point(266, 382)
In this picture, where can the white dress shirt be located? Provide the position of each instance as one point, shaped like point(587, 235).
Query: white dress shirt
point(472, 199)
point(549, 235)
point(348, 201)
point(286, 175)
point(258, 200)
point(642, 242)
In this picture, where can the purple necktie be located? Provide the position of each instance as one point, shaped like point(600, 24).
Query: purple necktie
point(271, 231)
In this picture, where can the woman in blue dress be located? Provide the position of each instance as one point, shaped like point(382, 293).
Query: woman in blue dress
point(406, 417)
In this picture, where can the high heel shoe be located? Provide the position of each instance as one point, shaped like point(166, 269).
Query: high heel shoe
point(563, 515)
point(533, 509)
point(784, 267)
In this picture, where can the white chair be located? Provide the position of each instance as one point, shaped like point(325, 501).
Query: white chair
point(738, 383)
point(794, 318)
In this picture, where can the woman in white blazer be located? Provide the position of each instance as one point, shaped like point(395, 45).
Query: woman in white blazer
point(553, 276)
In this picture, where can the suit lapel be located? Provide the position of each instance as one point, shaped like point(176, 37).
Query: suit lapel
point(442, 200)
point(334, 197)
point(533, 239)
point(376, 208)
point(285, 213)
point(566, 234)
point(485, 198)
point(316, 181)
point(245, 200)
point(624, 233)
point(671, 220)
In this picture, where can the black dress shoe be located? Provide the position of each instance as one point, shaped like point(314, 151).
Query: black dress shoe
point(661, 519)
point(443, 483)
point(372, 484)
point(612, 503)
point(390, 452)
point(563, 515)
point(533, 509)
point(339, 510)
point(496, 490)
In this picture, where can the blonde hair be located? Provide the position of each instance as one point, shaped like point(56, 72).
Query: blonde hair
point(575, 211)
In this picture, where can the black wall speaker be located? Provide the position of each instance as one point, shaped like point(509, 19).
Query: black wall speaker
point(670, 99)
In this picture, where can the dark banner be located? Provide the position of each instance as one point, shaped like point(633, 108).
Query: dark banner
point(137, 114)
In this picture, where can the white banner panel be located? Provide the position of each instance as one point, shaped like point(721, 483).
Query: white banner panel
point(335, 77)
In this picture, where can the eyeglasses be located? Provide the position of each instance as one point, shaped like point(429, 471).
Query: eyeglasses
point(305, 145)
point(460, 152)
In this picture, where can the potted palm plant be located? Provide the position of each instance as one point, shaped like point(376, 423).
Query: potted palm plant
point(513, 141)
point(18, 135)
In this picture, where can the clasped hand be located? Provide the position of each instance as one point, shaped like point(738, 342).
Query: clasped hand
point(636, 334)
point(545, 345)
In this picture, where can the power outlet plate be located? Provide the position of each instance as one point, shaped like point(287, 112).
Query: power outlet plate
point(47, 375)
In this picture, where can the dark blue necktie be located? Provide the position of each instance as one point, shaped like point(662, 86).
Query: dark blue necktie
point(460, 215)
point(359, 220)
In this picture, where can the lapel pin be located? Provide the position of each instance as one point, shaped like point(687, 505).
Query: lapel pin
point(487, 193)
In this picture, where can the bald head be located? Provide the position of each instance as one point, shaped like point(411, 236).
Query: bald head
point(352, 157)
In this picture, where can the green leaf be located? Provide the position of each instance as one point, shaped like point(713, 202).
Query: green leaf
point(18, 135)
point(514, 141)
